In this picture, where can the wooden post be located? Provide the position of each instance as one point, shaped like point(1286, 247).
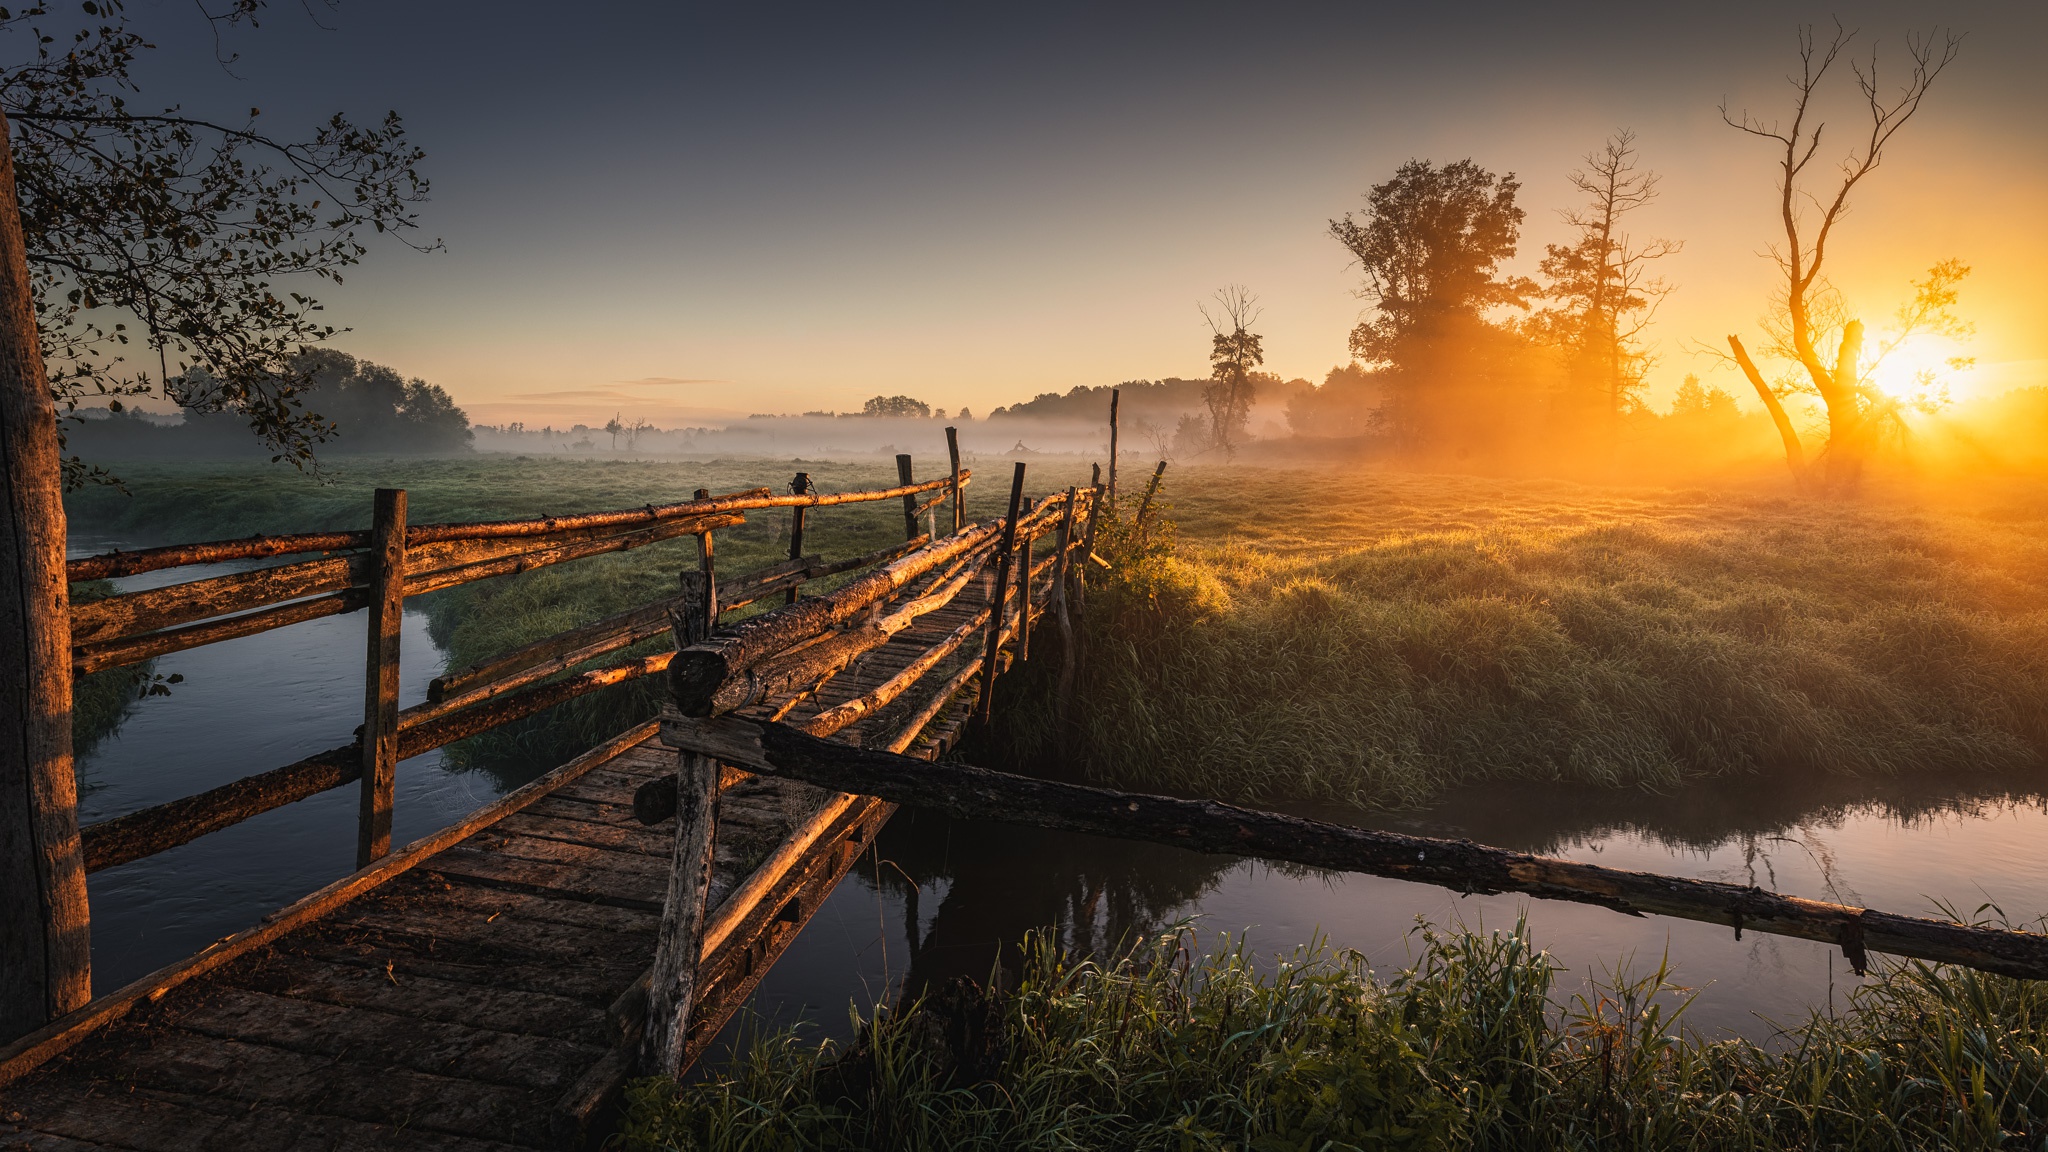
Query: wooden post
point(903, 476)
point(1024, 551)
point(1059, 599)
point(1114, 394)
point(672, 984)
point(953, 456)
point(380, 679)
point(995, 616)
point(1145, 508)
point(45, 936)
point(797, 487)
point(1088, 537)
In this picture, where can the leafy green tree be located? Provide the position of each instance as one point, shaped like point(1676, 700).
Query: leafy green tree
point(171, 238)
point(1431, 245)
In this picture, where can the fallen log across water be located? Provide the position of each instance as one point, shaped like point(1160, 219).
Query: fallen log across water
point(1208, 826)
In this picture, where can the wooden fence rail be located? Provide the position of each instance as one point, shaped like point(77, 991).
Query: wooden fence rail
point(409, 560)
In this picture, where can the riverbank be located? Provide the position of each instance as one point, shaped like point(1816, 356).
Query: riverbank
point(1175, 1046)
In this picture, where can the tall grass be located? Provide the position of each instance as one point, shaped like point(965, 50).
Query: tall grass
point(1398, 636)
point(1469, 1047)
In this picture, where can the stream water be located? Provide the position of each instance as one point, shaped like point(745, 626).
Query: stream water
point(939, 898)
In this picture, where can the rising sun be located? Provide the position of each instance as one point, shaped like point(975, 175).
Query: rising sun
point(1919, 364)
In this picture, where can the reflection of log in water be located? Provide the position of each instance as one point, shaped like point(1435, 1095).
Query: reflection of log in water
point(1003, 881)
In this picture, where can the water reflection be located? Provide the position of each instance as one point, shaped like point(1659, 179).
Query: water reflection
point(940, 898)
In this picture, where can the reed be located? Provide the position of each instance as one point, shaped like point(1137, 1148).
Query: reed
point(1470, 1046)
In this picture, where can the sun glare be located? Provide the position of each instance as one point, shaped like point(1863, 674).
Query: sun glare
point(1919, 364)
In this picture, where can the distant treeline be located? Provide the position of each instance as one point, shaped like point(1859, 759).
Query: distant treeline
point(367, 408)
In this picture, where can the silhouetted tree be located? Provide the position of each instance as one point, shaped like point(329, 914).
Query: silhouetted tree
point(183, 226)
point(1431, 245)
point(1800, 333)
point(1604, 295)
point(897, 406)
point(1234, 353)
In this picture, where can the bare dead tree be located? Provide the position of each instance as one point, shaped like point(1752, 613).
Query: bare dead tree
point(1809, 222)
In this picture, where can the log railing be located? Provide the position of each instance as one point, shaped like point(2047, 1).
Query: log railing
point(378, 568)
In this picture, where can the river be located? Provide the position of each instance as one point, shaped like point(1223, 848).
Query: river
point(939, 898)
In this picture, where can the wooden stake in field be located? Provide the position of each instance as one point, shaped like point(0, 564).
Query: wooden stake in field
point(903, 475)
point(953, 457)
point(1114, 394)
point(45, 936)
point(1145, 508)
point(995, 619)
point(1059, 599)
point(380, 680)
point(800, 486)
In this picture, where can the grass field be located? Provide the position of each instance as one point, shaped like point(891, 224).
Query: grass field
point(1469, 1047)
point(1380, 640)
point(1373, 638)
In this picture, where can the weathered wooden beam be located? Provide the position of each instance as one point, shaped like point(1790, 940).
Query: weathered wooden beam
point(117, 637)
point(1207, 826)
point(135, 613)
point(814, 569)
point(109, 843)
point(954, 479)
point(32, 1051)
point(380, 677)
point(702, 669)
point(527, 560)
point(1059, 601)
point(110, 565)
point(45, 931)
point(115, 564)
point(657, 513)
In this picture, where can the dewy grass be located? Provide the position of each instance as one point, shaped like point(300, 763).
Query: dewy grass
point(1470, 1047)
point(1379, 642)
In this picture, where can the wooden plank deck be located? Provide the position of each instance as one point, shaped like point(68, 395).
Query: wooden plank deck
point(473, 1001)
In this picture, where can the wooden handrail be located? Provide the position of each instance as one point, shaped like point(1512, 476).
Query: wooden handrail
point(110, 565)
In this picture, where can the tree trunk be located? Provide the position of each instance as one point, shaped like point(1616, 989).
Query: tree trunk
point(45, 943)
point(1795, 457)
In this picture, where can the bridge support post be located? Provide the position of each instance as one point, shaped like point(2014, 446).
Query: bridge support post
point(672, 982)
point(903, 477)
point(45, 937)
point(953, 455)
point(380, 689)
point(797, 487)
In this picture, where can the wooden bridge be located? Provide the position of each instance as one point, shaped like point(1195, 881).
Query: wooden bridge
point(489, 985)
point(495, 985)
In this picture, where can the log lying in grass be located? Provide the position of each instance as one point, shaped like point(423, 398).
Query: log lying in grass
point(1207, 826)
point(702, 669)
